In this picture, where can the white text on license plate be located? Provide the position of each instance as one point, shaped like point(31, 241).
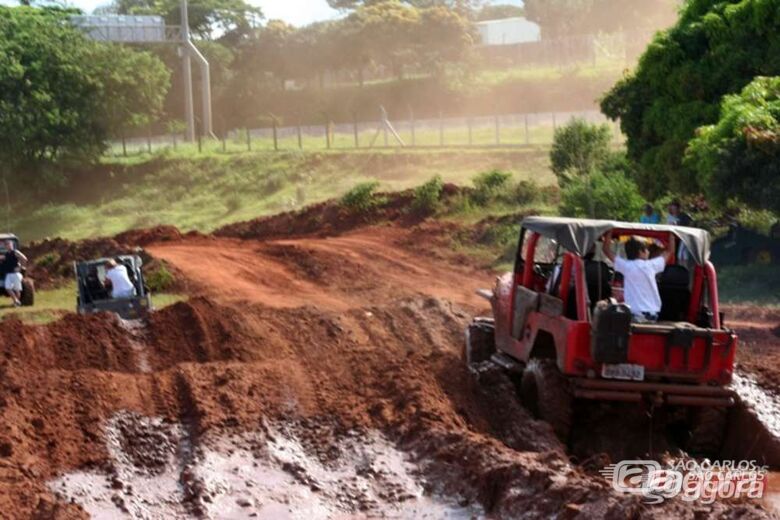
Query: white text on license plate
point(623, 371)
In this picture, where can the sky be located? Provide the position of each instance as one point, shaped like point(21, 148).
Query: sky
point(295, 12)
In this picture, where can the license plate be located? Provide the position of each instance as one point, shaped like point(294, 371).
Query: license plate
point(624, 371)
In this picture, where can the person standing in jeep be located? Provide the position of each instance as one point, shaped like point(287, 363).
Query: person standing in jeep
point(13, 261)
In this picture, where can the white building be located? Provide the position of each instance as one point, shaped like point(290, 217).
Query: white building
point(508, 31)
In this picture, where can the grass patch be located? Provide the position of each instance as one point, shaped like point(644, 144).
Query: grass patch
point(51, 304)
point(749, 284)
point(210, 190)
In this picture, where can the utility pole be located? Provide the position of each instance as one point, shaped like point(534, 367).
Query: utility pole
point(189, 110)
point(188, 52)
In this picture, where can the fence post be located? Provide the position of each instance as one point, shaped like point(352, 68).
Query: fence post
point(276, 139)
point(200, 143)
point(468, 123)
point(248, 140)
point(412, 124)
point(498, 130)
point(327, 132)
point(441, 130)
point(300, 138)
point(173, 135)
point(355, 129)
point(149, 138)
point(124, 145)
point(527, 136)
point(224, 143)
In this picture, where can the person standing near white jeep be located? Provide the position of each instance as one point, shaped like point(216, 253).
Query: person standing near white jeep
point(13, 261)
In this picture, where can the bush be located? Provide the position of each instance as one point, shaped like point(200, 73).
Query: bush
point(49, 259)
point(361, 198)
point(160, 279)
point(600, 195)
point(489, 186)
point(426, 196)
point(578, 149)
point(525, 192)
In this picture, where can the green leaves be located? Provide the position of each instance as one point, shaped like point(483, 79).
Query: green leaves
point(61, 95)
point(579, 148)
point(715, 49)
point(739, 156)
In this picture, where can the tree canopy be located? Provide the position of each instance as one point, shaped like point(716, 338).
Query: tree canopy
point(716, 48)
point(739, 156)
point(61, 95)
point(208, 18)
point(499, 11)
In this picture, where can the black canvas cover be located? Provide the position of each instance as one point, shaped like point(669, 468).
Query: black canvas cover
point(579, 235)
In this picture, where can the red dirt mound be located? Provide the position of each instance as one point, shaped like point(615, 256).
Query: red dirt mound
point(316, 339)
point(330, 218)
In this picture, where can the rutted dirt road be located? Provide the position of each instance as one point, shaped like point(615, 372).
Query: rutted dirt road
point(360, 268)
point(305, 378)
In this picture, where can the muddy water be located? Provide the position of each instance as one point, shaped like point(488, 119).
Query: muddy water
point(279, 474)
point(754, 424)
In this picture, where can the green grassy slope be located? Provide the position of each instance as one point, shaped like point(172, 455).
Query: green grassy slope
point(214, 189)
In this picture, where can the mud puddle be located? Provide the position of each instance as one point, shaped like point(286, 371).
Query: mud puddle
point(283, 471)
point(754, 424)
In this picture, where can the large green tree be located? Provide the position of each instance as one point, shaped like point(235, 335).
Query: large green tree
point(61, 95)
point(716, 48)
point(739, 156)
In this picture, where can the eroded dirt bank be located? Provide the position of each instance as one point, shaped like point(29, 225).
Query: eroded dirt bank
point(294, 361)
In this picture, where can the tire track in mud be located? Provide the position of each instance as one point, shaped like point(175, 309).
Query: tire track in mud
point(371, 345)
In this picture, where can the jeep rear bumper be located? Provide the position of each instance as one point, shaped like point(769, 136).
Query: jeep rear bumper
point(656, 393)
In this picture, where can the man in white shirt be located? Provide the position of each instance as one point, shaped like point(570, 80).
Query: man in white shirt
point(118, 280)
point(640, 290)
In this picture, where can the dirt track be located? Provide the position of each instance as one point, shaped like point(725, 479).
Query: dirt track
point(305, 378)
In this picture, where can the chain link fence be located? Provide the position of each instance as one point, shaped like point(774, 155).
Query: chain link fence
point(505, 130)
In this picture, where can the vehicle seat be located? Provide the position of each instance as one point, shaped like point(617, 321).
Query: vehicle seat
point(95, 288)
point(598, 276)
point(674, 288)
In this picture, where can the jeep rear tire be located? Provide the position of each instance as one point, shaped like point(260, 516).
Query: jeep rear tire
point(545, 392)
point(28, 292)
point(707, 431)
point(480, 342)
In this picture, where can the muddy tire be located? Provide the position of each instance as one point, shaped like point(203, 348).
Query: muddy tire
point(28, 293)
point(707, 431)
point(546, 394)
point(480, 342)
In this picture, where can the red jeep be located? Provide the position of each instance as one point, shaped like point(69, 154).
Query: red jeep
point(559, 323)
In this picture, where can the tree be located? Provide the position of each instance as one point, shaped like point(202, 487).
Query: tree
point(384, 32)
point(443, 37)
point(62, 95)
point(602, 195)
point(739, 156)
point(132, 84)
point(499, 11)
point(208, 18)
point(579, 149)
point(716, 48)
